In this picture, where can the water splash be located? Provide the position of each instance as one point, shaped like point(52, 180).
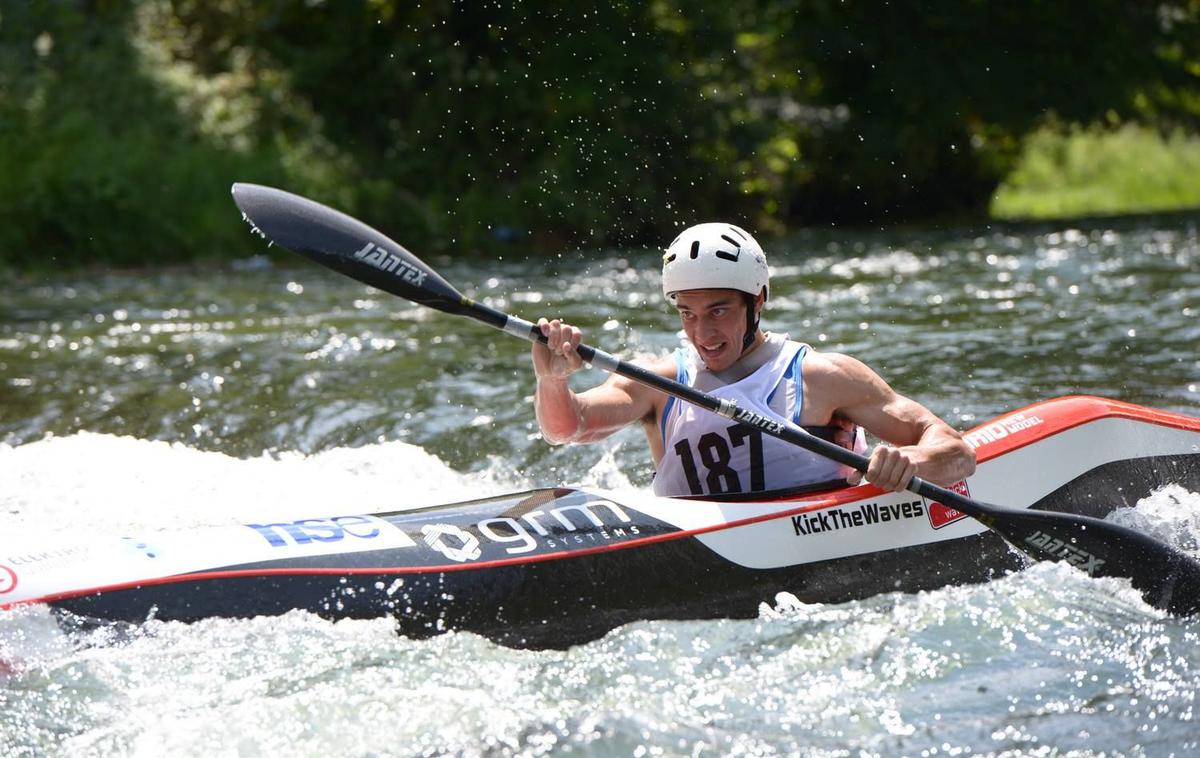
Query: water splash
point(1170, 513)
point(97, 481)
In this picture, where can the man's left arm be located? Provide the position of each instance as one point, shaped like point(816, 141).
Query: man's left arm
point(921, 444)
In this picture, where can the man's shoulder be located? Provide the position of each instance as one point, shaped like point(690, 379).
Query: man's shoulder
point(822, 365)
point(835, 371)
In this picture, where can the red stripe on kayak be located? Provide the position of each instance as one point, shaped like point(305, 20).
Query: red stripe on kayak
point(1063, 413)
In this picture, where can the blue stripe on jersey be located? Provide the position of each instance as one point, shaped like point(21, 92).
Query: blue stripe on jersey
point(682, 378)
point(792, 372)
point(797, 373)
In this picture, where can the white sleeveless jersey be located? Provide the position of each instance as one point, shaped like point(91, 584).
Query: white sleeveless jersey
point(707, 454)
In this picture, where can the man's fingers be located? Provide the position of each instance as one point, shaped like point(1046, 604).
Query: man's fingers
point(573, 336)
point(890, 469)
point(905, 475)
point(560, 352)
point(562, 339)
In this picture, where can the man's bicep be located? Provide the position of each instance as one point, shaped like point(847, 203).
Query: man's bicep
point(901, 420)
point(863, 396)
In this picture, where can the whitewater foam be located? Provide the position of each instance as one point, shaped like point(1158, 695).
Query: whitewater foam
point(98, 481)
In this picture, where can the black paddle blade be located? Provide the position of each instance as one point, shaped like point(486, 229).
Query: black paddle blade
point(1168, 578)
point(344, 244)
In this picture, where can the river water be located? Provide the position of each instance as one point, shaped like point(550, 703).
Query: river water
point(191, 396)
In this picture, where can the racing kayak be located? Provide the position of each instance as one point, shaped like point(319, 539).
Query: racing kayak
point(555, 567)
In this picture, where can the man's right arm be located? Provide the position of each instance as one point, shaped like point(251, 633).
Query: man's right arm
point(565, 416)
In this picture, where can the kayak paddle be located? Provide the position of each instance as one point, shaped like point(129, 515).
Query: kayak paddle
point(1168, 578)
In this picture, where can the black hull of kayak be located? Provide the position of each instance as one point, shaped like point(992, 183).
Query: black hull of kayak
point(554, 604)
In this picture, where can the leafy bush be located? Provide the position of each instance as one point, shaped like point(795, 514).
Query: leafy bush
point(1080, 172)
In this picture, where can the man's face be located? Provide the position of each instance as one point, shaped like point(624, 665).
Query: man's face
point(715, 323)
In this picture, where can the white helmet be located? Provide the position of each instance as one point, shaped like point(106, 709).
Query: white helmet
point(714, 256)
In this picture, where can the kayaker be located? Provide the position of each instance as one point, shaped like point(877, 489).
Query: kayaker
point(715, 275)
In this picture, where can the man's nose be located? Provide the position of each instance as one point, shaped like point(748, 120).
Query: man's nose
point(707, 326)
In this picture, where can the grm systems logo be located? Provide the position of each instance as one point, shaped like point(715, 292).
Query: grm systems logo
point(468, 544)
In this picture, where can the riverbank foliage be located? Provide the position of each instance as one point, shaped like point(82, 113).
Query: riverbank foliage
point(1099, 172)
point(462, 126)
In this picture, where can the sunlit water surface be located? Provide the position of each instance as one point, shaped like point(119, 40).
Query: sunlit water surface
point(168, 399)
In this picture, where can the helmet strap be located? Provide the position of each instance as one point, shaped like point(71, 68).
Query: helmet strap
point(751, 322)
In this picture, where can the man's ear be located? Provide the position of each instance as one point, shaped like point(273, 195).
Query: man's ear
point(759, 301)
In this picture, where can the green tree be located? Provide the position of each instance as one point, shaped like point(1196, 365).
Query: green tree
point(938, 95)
point(459, 125)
